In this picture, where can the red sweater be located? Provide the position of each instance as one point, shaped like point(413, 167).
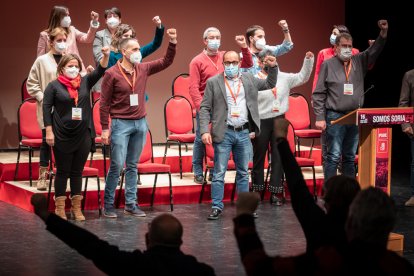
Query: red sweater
point(116, 91)
point(203, 67)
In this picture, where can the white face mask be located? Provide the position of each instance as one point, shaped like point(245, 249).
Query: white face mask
point(345, 54)
point(60, 47)
point(135, 57)
point(112, 22)
point(65, 22)
point(260, 43)
point(71, 72)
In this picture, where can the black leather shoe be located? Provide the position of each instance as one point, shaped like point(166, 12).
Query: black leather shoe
point(215, 214)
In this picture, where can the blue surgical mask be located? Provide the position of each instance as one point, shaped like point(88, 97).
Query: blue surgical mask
point(213, 44)
point(332, 39)
point(231, 70)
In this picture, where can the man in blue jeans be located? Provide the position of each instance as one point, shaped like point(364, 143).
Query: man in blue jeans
point(123, 98)
point(230, 104)
point(340, 90)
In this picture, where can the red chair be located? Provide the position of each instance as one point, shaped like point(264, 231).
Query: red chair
point(299, 116)
point(181, 87)
point(231, 166)
point(87, 173)
point(29, 132)
point(98, 130)
point(24, 93)
point(302, 161)
point(146, 165)
point(179, 125)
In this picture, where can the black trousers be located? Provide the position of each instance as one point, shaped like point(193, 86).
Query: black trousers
point(44, 151)
point(70, 165)
point(260, 146)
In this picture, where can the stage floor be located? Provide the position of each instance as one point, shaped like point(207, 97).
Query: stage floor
point(28, 249)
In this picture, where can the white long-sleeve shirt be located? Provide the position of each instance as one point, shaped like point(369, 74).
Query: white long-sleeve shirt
point(285, 82)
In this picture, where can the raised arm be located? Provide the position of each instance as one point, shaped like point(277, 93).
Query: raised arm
point(246, 57)
point(162, 63)
point(270, 81)
point(304, 73)
point(287, 43)
point(90, 35)
point(151, 47)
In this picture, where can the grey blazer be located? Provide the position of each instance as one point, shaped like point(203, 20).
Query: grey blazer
point(214, 106)
point(102, 38)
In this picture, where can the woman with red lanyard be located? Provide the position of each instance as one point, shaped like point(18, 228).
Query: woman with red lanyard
point(274, 103)
point(67, 116)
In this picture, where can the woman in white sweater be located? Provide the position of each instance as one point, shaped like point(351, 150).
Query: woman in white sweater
point(42, 72)
point(274, 103)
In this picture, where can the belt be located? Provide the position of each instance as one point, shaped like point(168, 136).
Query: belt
point(239, 128)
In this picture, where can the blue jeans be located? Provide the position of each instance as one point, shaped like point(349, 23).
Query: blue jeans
point(412, 167)
point(341, 140)
point(238, 143)
point(198, 150)
point(127, 141)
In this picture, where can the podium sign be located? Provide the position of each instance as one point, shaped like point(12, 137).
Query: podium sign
point(375, 140)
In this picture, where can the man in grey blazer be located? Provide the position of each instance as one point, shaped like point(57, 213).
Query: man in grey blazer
point(230, 104)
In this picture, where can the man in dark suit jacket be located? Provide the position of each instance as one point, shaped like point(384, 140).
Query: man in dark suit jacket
point(162, 257)
point(230, 104)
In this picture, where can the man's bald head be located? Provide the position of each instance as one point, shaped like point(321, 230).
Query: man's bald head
point(231, 56)
point(165, 230)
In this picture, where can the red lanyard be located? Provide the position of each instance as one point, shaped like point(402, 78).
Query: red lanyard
point(348, 71)
point(127, 79)
point(231, 91)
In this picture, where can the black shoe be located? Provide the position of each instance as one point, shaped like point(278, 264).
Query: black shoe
point(215, 214)
point(198, 179)
point(255, 215)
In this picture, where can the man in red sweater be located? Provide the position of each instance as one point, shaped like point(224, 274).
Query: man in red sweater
point(202, 67)
point(123, 98)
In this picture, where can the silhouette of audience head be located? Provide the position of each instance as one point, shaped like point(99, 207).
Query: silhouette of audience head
point(340, 191)
point(371, 217)
point(164, 230)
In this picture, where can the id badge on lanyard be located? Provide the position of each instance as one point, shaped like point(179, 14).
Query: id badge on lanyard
point(348, 89)
point(133, 99)
point(76, 113)
point(235, 111)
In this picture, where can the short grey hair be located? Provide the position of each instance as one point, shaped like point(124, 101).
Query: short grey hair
point(209, 30)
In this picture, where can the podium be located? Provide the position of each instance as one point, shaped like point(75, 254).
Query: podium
point(375, 140)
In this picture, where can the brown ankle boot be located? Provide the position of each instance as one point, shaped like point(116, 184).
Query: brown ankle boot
point(41, 183)
point(60, 207)
point(76, 208)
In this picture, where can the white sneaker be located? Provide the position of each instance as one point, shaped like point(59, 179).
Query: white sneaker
point(410, 202)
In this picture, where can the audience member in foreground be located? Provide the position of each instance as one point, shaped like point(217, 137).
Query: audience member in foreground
point(162, 257)
point(370, 221)
point(320, 227)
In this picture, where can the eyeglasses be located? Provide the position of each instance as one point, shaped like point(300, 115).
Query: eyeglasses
point(228, 63)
